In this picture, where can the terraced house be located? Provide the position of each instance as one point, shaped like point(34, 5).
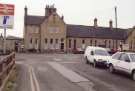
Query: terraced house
point(131, 39)
point(51, 33)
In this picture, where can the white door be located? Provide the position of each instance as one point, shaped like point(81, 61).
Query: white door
point(116, 60)
point(124, 63)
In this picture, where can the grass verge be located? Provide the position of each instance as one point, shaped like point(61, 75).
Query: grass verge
point(10, 85)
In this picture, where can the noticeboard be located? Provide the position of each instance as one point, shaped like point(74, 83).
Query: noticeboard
point(7, 16)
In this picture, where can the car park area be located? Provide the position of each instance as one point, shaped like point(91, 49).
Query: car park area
point(50, 78)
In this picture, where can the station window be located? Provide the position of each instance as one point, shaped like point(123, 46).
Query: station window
point(31, 40)
point(83, 41)
point(74, 43)
point(69, 43)
point(95, 42)
point(91, 42)
point(51, 41)
point(36, 41)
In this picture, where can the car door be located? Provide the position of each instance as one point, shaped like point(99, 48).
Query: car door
point(124, 64)
point(116, 59)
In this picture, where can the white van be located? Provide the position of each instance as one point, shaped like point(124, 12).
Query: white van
point(96, 56)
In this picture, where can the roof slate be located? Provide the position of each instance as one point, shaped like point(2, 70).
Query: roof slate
point(34, 20)
point(82, 31)
point(98, 32)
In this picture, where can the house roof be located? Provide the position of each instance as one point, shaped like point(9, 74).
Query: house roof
point(98, 32)
point(34, 20)
point(84, 31)
point(13, 38)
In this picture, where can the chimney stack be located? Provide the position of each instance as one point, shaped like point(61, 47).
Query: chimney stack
point(25, 14)
point(50, 10)
point(95, 22)
point(111, 24)
point(26, 10)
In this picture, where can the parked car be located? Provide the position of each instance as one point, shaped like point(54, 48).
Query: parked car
point(78, 51)
point(96, 56)
point(123, 62)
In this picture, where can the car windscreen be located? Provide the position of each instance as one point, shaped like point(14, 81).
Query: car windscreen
point(101, 52)
point(132, 56)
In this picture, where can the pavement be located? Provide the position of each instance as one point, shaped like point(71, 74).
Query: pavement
point(66, 72)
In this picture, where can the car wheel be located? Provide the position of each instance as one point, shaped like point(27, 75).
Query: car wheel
point(87, 62)
point(94, 64)
point(133, 75)
point(111, 68)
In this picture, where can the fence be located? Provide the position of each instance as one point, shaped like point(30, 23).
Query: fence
point(6, 66)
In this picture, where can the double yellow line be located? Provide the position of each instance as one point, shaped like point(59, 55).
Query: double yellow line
point(33, 80)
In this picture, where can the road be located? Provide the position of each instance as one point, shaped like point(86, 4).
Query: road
point(66, 72)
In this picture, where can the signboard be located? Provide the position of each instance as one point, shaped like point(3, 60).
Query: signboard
point(6, 16)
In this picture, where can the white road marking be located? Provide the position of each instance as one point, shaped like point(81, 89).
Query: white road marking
point(67, 73)
point(57, 59)
point(36, 81)
point(33, 80)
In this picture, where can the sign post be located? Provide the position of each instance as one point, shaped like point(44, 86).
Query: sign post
point(4, 45)
point(6, 20)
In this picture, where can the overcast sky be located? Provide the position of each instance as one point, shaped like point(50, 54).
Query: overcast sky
point(80, 12)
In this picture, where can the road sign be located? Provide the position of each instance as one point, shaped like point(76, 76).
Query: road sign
point(6, 16)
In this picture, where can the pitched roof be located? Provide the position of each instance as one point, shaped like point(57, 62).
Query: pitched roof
point(34, 20)
point(98, 32)
point(13, 38)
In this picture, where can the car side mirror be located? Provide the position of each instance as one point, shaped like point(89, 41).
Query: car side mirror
point(92, 53)
point(127, 60)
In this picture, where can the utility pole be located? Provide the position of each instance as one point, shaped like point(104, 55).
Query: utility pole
point(4, 45)
point(116, 23)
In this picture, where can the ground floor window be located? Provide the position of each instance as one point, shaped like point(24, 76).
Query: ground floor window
point(51, 41)
point(62, 46)
point(31, 40)
point(74, 44)
point(90, 42)
point(69, 43)
point(83, 41)
point(95, 42)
